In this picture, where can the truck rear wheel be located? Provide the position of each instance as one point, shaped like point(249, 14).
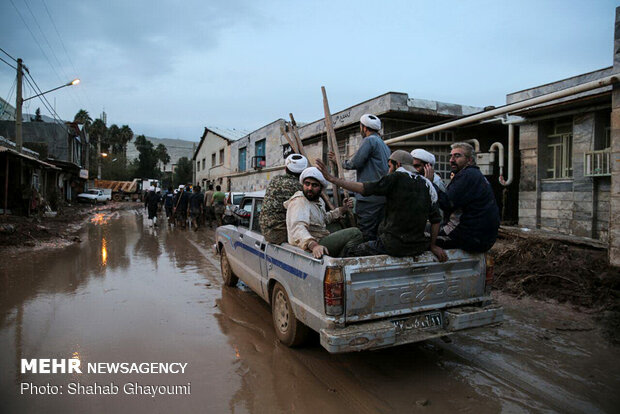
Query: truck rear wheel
point(289, 330)
point(230, 279)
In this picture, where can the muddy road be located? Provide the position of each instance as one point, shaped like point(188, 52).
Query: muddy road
point(135, 294)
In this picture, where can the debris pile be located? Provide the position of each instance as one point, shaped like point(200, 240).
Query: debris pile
point(547, 269)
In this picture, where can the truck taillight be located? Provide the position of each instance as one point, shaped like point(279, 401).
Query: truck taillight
point(489, 273)
point(333, 290)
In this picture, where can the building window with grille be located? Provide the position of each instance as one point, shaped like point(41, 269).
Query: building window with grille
point(560, 149)
point(222, 156)
point(213, 160)
point(204, 164)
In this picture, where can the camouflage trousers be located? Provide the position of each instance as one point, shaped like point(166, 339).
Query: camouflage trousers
point(276, 234)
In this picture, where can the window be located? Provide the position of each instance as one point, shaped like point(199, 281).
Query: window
point(242, 153)
point(204, 164)
point(258, 204)
point(198, 165)
point(213, 160)
point(222, 156)
point(247, 206)
point(258, 161)
point(560, 149)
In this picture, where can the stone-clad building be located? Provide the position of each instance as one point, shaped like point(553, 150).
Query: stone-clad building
point(565, 159)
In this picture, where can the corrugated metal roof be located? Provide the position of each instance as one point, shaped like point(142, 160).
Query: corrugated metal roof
point(232, 134)
point(12, 151)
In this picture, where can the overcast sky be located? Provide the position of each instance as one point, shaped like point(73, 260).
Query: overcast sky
point(168, 68)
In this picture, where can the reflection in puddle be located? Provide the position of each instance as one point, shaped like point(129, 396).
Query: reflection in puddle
point(104, 252)
point(100, 219)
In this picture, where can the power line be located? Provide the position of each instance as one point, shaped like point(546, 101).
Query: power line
point(44, 100)
point(6, 53)
point(60, 66)
point(62, 43)
point(8, 63)
point(35, 40)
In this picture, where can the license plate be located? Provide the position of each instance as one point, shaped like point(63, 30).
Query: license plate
point(429, 320)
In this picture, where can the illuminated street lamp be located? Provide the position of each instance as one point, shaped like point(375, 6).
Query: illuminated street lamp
point(73, 82)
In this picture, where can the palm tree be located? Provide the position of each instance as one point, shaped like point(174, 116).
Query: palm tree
point(162, 154)
point(82, 117)
point(125, 135)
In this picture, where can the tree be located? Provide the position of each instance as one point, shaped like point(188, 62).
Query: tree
point(162, 154)
point(82, 117)
point(184, 171)
point(37, 116)
point(98, 132)
point(146, 164)
point(125, 136)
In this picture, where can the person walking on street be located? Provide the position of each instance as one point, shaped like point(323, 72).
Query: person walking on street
point(218, 204)
point(196, 203)
point(151, 203)
point(209, 215)
point(169, 203)
point(370, 163)
point(281, 187)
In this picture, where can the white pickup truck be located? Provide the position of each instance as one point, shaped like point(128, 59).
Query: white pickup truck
point(356, 303)
point(95, 196)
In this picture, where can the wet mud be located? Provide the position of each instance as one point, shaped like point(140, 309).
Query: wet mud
point(133, 293)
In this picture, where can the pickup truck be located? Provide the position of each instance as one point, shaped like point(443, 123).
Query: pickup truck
point(94, 196)
point(356, 303)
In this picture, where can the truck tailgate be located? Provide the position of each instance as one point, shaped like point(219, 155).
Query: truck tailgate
point(384, 286)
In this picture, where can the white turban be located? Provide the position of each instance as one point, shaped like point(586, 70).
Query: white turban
point(423, 155)
point(296, 163)
point(371, 121)
point(313, 172)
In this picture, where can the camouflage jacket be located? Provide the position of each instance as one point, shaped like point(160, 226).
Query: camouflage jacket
point(273, 214)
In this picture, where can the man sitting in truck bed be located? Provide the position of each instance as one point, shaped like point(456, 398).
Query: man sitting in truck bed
point(281, 187)
point(306, 219)
point(411, 200)
point(469, 203)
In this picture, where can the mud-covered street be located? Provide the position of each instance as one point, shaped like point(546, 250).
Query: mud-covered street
point(137, 294)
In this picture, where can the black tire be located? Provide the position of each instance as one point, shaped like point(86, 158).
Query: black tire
point(230, 279)
point(289, 330)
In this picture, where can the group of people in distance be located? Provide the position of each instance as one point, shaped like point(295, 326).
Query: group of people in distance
point(187, 202)
point(398, 197)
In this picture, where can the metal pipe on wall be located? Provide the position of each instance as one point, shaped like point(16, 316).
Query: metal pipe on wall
point(509, 108)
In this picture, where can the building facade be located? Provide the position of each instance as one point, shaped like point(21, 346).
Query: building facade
point(212, 157)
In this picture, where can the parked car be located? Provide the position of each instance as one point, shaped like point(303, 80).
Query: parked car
point(94, 196)
point(356, 303)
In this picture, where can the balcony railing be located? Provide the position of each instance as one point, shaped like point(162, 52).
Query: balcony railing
point(596, 163)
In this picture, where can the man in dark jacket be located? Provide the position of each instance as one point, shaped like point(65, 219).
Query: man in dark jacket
point(169, 203)
point(196, 203)
point(181, 205)
point(469, 204)
point(410, 202)
point(151, 203)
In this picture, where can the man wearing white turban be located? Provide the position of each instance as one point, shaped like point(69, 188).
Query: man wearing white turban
point(272, 218)
point(306, 219)
point(370, 163)
point(423, 161)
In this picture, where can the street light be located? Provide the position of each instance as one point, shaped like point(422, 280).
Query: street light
point(19, 101)
point(73, 82)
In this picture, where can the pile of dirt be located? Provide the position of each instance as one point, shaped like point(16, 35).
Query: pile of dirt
point(547, 269)
point(29, 231)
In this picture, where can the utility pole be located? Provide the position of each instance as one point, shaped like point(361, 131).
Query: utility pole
point(18, 108)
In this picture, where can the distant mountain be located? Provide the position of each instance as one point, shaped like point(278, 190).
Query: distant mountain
point(177, 148)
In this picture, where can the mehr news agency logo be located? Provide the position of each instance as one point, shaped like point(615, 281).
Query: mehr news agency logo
point(74, 366)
